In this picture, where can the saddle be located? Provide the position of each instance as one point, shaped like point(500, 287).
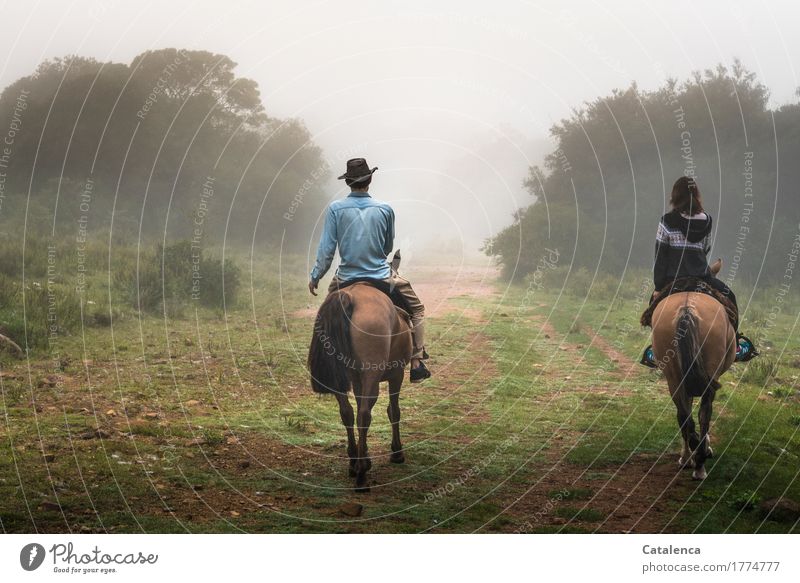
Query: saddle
point(398, 300)
point(689, 284)
point(383, 286)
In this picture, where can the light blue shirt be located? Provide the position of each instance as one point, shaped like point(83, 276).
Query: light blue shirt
point(363, 228)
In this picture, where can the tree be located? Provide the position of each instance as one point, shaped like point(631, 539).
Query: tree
point(148, 137)
point(617, 157)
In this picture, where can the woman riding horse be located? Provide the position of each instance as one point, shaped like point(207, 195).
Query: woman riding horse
point(683, 241)
point(694, 333)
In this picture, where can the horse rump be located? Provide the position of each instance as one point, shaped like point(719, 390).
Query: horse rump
point(331, 351)
point(695, 380)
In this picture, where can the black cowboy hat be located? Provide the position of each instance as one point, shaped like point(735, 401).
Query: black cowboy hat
point(357, 170)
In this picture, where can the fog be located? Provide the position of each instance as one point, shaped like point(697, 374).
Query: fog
point(451, 100)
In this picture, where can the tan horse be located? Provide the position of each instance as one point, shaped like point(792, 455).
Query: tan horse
point(693, 343)
point(361, 339)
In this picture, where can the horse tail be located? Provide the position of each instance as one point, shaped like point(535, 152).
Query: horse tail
point(331, 351)
point(695, 380)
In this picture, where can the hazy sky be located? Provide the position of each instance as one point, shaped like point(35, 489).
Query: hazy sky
point(426, 88)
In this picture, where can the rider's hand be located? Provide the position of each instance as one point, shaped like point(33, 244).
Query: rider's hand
point(312, 287)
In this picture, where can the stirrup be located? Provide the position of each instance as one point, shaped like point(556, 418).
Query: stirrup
point(420, 373)
point(648, 358)
point(745, 349)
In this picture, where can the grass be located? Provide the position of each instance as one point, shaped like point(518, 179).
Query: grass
point(579, 515)
point(206, 423)
point(761, 371)
point(755, 421)
point(570, 494)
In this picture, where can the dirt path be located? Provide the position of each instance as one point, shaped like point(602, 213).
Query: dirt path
point(622, 496)
point(625, 366)
point(621, 499)
point(436, 286)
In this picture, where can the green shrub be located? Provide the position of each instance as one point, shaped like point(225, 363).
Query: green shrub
point(152, 280)
point(782, 392)
point(222, 280)
point(164, 279)
point(138, 286)
point(551, 279)
point(761, 371)
point(746, 500)
point(578, 282)
point(46, 310)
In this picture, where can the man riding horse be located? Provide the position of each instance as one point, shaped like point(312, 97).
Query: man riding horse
point(363, 230)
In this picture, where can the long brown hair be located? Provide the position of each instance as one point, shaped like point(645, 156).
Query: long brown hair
point(685, 197)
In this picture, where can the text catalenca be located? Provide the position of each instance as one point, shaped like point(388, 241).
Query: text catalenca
point(670, 550)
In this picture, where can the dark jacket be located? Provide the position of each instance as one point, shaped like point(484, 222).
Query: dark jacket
point(682, 246)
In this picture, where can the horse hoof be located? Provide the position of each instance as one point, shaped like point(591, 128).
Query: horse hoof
point(397, 457)
point(699, 474)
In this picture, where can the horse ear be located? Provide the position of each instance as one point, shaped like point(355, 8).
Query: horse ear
point(396, 261)
point(716, 267)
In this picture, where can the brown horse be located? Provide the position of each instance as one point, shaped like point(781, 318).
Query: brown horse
point(360, 339)
point(693, 343)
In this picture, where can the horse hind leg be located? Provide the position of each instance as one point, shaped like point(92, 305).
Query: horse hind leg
point(706, 407)
point(704, 449)
point(365, 401)
point(393, 411)
point(685, 461)
point(348, 420)
point(691, 440)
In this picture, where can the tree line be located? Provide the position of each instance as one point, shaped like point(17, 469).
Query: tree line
point(119, 183)
point(601, 191)
point(172, 142)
